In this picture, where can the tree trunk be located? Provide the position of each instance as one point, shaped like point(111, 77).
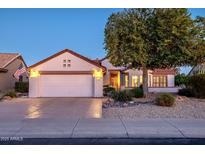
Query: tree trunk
point(145, 81)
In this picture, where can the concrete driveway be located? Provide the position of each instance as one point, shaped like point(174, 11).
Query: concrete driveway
point(54, 108)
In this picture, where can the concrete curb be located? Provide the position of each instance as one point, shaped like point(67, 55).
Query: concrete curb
point(103, 128)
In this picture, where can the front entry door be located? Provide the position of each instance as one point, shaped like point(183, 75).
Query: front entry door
point(114, 81)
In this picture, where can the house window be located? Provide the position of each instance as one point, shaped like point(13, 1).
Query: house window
point(134, 81)
point(66, 63)
point(159, 81)
point(126, 81)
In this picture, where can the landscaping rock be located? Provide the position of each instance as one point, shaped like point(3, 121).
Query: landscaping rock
point(105, 105)
point(181, 98)
point(125, 105)
point(190, 108)
point(7, 98)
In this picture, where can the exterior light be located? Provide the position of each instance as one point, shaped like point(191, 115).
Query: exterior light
point(98, 74)
point(34, 74)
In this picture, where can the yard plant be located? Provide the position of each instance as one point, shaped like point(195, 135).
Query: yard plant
point(137, 92)
point(21, 87)
point(121, 96)
point(165, 99)
point(148, 38)
point(11, 94)
point(182, 80)
point(188, 92)
point(198, 85)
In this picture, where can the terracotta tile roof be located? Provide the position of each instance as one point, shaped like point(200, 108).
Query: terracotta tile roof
point(5, 58)
point(164, 71)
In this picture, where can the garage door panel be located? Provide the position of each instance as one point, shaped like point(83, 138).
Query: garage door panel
point(66, 86)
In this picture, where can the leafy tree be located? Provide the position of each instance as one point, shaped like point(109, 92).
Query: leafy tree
point(154, 38)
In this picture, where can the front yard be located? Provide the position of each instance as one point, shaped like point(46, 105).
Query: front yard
point(188, 108)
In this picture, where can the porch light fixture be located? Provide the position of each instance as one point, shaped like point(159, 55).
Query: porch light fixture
point(34, 74)
point(98, 74)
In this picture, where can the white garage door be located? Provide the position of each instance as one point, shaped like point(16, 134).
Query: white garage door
point(66, 86)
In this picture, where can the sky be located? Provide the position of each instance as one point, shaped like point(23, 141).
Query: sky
point(39, 33)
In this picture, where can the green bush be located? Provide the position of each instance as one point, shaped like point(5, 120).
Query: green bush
point(121, 96)
point(188, 92)
point(198, 85)
point(182, 80)
point(12, 94)
point(137, 92)
point(165, 99)
point(22, 87)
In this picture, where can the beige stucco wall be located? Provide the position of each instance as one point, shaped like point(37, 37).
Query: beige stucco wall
point(7, 81)
point(56, 64)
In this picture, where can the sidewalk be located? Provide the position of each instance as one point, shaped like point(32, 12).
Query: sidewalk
point(102, 128)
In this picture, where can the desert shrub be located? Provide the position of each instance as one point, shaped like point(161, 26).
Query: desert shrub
point(198, 85)
point(12, 94)
point(121, 96)
point(22, 87)
point(137, 92)
point(107, 90)
point(188, 92)
point(165, 99)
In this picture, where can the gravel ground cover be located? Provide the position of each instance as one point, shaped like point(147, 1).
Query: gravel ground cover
point(187, 108)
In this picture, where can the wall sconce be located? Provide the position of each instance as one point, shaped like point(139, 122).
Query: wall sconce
point(98, 74)
point(34, 74)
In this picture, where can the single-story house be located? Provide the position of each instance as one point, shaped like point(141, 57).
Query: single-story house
point(9, 64)
point(69, 74)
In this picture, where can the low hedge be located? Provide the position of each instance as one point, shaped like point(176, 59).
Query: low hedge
point(21, 87)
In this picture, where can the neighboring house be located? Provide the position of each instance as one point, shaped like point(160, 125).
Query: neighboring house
point(9, 63)
point(198, 69)
point(159, 80)
point(69, 74)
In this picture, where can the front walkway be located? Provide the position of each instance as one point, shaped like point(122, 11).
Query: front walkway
point(102, 128)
